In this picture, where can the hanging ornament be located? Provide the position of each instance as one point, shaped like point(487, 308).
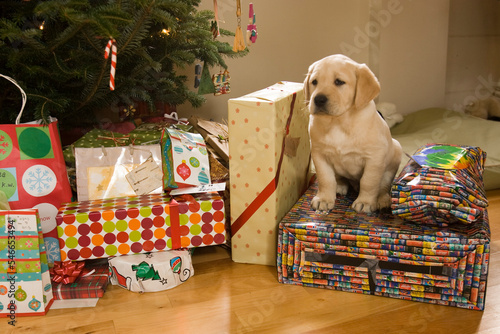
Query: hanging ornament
point(197, 72)
point(203, 177)
point(20, 294)
point(183, 170)
point(3, 290)
point(111, 49)
point(34, 304)
point(215, 24)
point(239, 43)
point(206, 84)
point(1, 307)
point(251, 27)
point(222, 83)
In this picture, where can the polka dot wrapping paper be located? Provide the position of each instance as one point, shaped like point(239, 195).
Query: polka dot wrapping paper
point(33, 174)
point(24, 271)
point(269, 157)
point(381, 254)
point(141, 224)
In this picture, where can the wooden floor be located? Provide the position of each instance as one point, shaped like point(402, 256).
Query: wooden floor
point(227, 297)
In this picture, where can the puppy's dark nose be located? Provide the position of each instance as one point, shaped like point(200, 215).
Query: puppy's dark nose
point(320, 100)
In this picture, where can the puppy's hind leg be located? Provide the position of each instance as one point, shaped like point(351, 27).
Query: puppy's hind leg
point(342, 185)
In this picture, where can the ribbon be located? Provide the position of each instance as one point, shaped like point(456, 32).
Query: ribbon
point(119, 141)
point(111, 49)
point(175, 226)
point(67, 272)
point(270, 188)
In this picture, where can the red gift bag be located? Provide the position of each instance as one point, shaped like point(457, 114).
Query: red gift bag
point(33, 172)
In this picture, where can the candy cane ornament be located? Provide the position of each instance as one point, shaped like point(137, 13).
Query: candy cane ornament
point(111, 48)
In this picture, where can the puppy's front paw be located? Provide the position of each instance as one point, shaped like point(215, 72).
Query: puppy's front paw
point(322, 204)
point(384, 201)
point(364, 206)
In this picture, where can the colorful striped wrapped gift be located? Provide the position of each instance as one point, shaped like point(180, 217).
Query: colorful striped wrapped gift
point(442, 184)
point(381, 254)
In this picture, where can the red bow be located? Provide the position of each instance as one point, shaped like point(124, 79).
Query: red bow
point(67, 271)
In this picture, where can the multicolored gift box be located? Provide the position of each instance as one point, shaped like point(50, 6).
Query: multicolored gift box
point(25, 288)
point(383, 255)
point(140, 224)
point(269, 157)
point(90, 283)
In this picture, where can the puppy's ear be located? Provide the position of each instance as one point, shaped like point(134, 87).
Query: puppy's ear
point(307, 93)
point(367, 87)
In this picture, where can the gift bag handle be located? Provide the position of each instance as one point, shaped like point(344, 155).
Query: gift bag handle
point(23, 94)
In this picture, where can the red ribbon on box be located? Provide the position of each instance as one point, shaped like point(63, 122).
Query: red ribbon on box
point(270, 188)
point(67, 272)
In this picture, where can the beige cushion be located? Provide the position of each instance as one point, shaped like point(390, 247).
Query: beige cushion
point(436, 125)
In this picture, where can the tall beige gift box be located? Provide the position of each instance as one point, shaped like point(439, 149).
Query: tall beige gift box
point(269, 156)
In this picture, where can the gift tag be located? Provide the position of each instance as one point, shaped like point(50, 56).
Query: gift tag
point(20, 223)
point(146, 177)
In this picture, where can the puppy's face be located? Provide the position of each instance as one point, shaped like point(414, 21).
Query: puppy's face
point(336, 84)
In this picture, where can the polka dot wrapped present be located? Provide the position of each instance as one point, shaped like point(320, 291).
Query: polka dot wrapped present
point(147, 223)
point(269, 158)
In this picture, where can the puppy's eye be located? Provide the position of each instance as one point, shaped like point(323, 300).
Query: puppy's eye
point(339, 82)
point(314, 82)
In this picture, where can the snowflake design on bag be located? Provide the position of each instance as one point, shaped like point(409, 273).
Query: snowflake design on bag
point(39, 180)
point(52, 249)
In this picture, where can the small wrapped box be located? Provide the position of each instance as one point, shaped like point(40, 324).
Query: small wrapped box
point(269, 157)
point(77, 280)
point(383, 255)
point(151, 272)
point(140, 224)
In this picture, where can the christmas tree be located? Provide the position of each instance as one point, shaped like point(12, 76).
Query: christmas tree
point(55, 49)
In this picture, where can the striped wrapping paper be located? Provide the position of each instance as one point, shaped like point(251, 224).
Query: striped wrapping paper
point(442, 184)
point(384, 255)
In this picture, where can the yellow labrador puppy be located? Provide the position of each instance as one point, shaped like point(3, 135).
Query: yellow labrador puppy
point(350, 142)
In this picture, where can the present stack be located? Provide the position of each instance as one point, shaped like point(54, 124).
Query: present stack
point(441, 185)
point(383, 255)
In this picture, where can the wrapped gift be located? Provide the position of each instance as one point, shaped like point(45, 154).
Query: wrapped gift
point(25, 288)
point(383, 255)
point(269, 158)
point(151, 272)
point(442, 184)
point(104, 138)
point(139, 224)
point(106, 172)
point(79, 280)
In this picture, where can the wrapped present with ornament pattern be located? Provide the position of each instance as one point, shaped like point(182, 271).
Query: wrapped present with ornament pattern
point(381, 254)
point(269, 158)
point(151, 272)
point(139, 224)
